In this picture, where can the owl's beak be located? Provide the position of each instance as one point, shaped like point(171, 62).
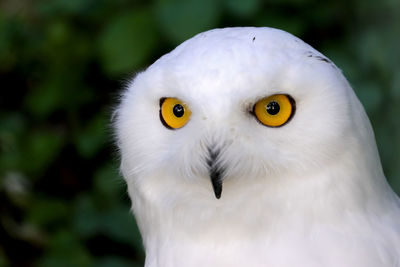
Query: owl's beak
point(215, 171)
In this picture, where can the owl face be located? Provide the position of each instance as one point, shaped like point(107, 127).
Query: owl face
point(255, 103)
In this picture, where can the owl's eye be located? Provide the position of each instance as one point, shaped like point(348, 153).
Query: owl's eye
point(174, 114)
point(275, 110)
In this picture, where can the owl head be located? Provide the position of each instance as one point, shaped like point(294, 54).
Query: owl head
point(241, 113)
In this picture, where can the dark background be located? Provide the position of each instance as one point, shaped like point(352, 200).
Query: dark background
point(62, 66)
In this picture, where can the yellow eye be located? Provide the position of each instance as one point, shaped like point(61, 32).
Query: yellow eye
point(275, 110)
point(174, 113)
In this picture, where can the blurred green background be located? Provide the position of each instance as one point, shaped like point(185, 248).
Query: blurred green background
point(63, 64)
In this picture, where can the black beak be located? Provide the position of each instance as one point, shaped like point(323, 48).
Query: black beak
point(215, 172)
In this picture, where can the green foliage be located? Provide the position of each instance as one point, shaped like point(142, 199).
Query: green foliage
point(243, 8)
point(127, 41)
point(64, 249)
point(62, 65)
point(181, 19)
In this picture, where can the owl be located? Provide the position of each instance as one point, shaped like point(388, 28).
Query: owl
point(247, 147)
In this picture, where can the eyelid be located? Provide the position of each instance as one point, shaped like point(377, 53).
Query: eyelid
point(162, 99)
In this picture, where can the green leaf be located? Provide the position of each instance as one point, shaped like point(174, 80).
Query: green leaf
point(46, 97)
point(116, 222)
point(42, 148)
point(181, 19)
point(119, 224)
point(127, 42)
point(115, 262)
point(3, 260)
point(371, 50)
point(93, 137)
point(49, 7)
point(65, 250)
point(291, 2)
point(12, 127)
point(394, 174)
point(243, 8)
point(395, 90)
point(8, 57)
point(292, 25)
point(45, 212)
point(369, 94)
point(108, 183)
point(86, 220)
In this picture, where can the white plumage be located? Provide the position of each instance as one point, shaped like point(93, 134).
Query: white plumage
point(309, 193)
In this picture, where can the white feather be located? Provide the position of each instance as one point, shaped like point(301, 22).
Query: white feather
point(309, 193)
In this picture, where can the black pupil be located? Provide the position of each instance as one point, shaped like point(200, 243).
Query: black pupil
point(273, 108)
point(178, 110)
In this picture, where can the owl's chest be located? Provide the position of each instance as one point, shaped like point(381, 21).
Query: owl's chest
point(293, 247)
point(268, 231)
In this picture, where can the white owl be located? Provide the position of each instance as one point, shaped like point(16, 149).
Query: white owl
point(247, 147)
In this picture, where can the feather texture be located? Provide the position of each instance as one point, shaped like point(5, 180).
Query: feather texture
point(309, 193)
